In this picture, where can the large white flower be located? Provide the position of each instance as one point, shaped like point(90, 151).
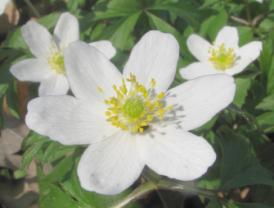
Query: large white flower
point(48, 65)
point(223, 57)
point(132, 120)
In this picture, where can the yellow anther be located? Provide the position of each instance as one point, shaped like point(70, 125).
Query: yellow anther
point(222, 58)
point(56, 62)
point(134, 108)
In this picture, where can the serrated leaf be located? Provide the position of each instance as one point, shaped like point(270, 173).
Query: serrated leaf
point(266, 121)
point(52, 196)
point(213, 24)
point(121, 38)
point(118, 8)
point(239, 165)
point(162, 25)
point(242, 88)
point(267, 103)
point(184, 9)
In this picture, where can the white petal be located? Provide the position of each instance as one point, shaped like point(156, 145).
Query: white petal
point(88, 70)
point(105, 47)
point(33, 70)
point(154, 56)
point(110, 166)
point(37, 38)
point(229, 36)
point(196, 101)
point(177, 154)
point(199, 47)
point(248, 53)
point(54, 85)
point(67, 120)
point(66, 30)
point(198, 69)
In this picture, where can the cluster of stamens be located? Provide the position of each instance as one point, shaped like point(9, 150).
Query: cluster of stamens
point(222, 57)
point(56, 62)
point(135, 107)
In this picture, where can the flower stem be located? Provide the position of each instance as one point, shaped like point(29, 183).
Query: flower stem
point(136, 194)
point(33, 9)
point(166, 184)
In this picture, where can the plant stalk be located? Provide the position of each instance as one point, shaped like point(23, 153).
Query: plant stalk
point(166, 184)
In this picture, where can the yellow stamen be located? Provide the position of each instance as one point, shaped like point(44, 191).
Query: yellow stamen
point(222, 57)
point(56, 62)
point(134, 108)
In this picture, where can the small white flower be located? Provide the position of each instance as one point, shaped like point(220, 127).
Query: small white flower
point(48, 65)
point(223, 57)
point(260, 1)
point(132, 120)
point(3, 5)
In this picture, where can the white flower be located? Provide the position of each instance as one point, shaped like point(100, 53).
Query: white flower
point(224, 56)
point(132, 120)
point(3, 4)
point(260, 1)
point(48, 65)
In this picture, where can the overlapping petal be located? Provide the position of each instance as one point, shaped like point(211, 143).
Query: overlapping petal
point(154, 56)
point(199, 47)
point(229, 36)
point(90, 73)
point(110, 166)
point(67, 120)
point(195, 102)
point(34, 70)
point(105, 47)
point(247, 53)
point(172, 152)
point(197, 69)
point(66, 30)
point(38, 39)
point(54, 85)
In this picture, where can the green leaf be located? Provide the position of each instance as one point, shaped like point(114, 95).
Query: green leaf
point(52, 196)
point(266, 121)
point(31, 153)
point(73, 188)
point(245, 35)
point(15, 39)
point(243, 85)
point(49, 21)
point(240, 166)
point(3, 89)
point(55, 151)
point(162, 25)
point(213, 24)
point(214, 204)
point(61, 169)
point(130, 6)
point(122, 38)
point(12, 100)
point(184, 9)
point(267, 103)
point(117, 8)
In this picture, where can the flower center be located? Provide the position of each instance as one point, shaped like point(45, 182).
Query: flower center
point(133, 108)
point(222, 58)
point(56, 62)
